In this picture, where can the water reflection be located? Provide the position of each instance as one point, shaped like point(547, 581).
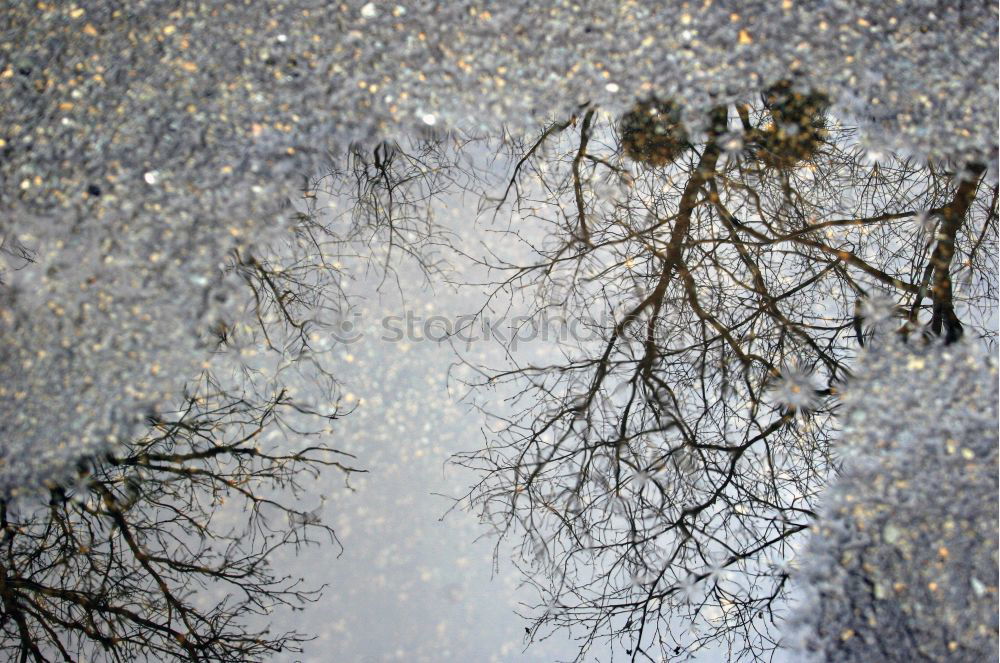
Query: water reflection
point(660, 479)
point(161, 549)
point(655, 474)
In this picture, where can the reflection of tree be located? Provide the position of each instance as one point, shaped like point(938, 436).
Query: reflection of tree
point(376, 206)
point(665, 471)
point(125, 564)
point(162, 548)
point(12, 251)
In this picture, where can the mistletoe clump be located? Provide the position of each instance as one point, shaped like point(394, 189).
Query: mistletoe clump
point(797, 128)
point(652, 132)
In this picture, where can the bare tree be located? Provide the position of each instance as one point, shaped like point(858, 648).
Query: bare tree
point(161, 550)
point(661, 475)
point(376, 205)
point(162, 547)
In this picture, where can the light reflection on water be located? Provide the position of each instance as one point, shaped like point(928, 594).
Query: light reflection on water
point(666, 455)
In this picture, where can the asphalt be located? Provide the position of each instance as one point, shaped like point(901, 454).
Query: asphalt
point(141, 141)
